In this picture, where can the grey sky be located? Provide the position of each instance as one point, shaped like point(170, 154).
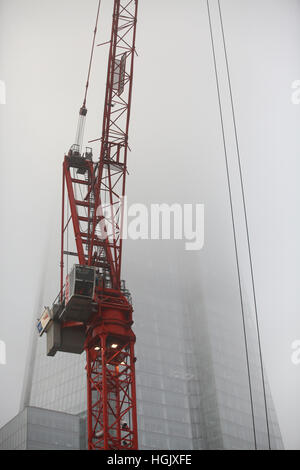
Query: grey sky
point(177, 156)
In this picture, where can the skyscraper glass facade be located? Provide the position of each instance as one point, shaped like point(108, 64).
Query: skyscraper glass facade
point(192, 378)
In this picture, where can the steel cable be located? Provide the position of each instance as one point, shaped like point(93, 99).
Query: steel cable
point(246, 222)
point(233, 220)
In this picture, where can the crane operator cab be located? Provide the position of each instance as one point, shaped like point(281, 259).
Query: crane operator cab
point(77, 306)
point(79, 294)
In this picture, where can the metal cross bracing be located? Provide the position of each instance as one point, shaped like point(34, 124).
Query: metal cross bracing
point(115, 413)
point(92, 211)
point(112, 168)
point(98, 239)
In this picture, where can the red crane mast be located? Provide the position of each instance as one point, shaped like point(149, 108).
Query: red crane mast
point(93, 311)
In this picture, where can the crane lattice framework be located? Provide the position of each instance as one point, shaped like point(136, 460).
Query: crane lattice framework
point(99, 308)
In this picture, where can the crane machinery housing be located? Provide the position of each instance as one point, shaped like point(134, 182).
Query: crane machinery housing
point(93, 311)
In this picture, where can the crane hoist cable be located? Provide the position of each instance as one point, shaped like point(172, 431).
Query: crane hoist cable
point(92, 55)
point(245, 211)
point(233, 221)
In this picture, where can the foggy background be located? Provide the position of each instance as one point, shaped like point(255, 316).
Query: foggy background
point(177, 156)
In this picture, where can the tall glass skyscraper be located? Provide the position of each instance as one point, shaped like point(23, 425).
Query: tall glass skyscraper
point(192, 378)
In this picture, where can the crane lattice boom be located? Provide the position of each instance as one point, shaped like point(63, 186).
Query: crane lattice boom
point(93, 311)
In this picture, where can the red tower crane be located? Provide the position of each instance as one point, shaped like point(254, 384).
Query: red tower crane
point(93, 311)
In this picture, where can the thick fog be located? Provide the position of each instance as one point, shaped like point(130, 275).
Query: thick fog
point(177, 157)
